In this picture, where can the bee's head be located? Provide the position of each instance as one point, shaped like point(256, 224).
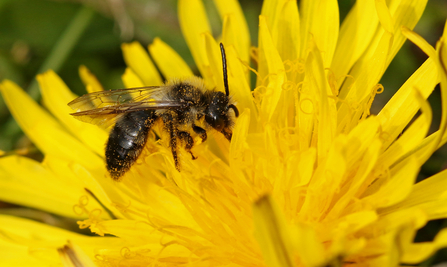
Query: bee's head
point(217, 115)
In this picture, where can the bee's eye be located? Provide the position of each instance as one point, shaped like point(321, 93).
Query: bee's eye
point(215, 120)
point(215, 112)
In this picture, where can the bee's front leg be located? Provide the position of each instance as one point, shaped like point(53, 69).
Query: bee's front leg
point(227, 133)
point(189, 142)
point(200, 131)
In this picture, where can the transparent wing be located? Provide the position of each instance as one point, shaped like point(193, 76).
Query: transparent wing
point(103, 108)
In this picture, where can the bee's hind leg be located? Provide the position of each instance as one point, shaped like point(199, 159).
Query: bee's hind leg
point(189, 142)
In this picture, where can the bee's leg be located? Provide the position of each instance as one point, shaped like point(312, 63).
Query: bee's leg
point(227, 134)
point(200, 131)
point(170, 123)
point(189, 142)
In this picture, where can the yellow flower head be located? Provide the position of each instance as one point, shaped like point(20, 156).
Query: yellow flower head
point(310, 177)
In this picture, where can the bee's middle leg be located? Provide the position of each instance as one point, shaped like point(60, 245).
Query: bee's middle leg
point(173, 134)
point(189, 142)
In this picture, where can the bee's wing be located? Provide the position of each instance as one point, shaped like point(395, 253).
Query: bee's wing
point(103, 108)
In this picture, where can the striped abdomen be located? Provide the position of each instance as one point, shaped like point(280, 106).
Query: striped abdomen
point(127, 140)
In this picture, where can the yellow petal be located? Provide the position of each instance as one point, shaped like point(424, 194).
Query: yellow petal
point(300, 168)
point(361, 146)
point(356, 32)
point(280, 242)
point(384, 16)
point(320, 21)
point(46, 191)
point(285, 35)
point(284, 25)
point(56, 95)
point(352, 223)
point(441, 48)
point(404, 13)
point(45, 132)
point(398, 187)
point(238, 141)
point(306, 108)
point(235, 29)
point(392, 19)
point(427, 195)
point(326, 105)
point(327, 180)
point(434, 141)
point(239, 87)
point(73, 256)
point(215, 61)
point(38, 241)
point(368, 71)
point(168, 61)
point(194, 23)
point(90, 81)
point(269, 12)
point(270, 64)
point(82, 187)
point(142, 236)
point(138, 60)
point(229, 39)
point(411, 138)
point(271, 234)
point(419, 41)
point(131, 79)
point(417, 252)
point(16, 255)
point(99, 183)
point(401, 108)
point(360, 27)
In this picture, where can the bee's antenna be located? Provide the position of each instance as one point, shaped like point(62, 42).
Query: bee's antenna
point(224, 66)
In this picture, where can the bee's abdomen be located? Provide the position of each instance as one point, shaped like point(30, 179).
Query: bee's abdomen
point(127, 140)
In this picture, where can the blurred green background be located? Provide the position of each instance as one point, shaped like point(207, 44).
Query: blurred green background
point(36, 35)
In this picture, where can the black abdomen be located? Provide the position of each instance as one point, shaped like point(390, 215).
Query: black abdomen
point(126, 141)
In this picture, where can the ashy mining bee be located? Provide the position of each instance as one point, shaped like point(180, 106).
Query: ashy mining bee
point(181, 106)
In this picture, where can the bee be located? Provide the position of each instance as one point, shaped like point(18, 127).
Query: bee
point(182, 106)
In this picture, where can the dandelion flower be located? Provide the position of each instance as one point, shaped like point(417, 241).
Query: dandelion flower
point(310, 177)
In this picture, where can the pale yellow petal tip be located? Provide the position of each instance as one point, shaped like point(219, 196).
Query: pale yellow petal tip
point(156, 41)
point(132, 47)
point(48, 77)
point(137, 58)
point(129, 45)
point(8, 88)
point(73, 256)
point(130, 79)
point(5, 84)
point(47, 73)
point(90, 81)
